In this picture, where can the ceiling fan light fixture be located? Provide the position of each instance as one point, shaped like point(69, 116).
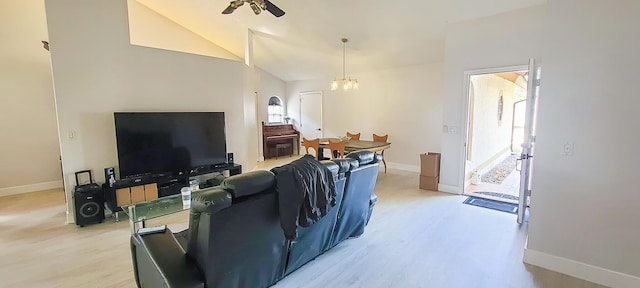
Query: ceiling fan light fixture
point(347, 82)
point(255, 8)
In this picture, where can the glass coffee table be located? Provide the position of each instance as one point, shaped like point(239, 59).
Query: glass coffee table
point(140, 212)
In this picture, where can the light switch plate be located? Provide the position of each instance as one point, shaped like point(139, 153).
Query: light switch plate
point(567, 149)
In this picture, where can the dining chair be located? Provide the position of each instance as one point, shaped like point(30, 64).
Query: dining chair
point(337, 148)
point(353, 136)
point(314, 144)
point(383, 138)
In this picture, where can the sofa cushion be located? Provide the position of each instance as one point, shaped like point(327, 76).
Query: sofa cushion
point(363, 157)
point(344, 164)
point(353, 164)
point(377, 158)
point(249, 183)
point(333, 167)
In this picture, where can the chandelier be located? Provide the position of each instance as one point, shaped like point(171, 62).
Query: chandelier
point(347, 82)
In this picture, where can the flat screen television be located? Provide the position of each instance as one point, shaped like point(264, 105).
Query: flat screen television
point(165, 143)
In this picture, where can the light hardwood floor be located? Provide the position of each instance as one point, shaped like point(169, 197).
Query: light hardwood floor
point(416, 238)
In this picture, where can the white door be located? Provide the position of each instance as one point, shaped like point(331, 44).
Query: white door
point(533, 88)
point(311, 114)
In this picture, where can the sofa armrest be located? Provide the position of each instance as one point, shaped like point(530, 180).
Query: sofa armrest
point(211, 201)
point(160, 261)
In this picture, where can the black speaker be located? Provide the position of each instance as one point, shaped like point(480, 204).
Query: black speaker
point(88, 200)
point(230, 158)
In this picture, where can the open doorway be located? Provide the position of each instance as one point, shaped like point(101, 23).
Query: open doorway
point(496, 120)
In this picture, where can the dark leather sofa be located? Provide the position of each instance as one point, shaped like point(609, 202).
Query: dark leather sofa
point(235, 238)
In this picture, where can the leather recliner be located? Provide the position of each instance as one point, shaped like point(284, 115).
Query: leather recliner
point(317, 238)
point(234, 232)
point(359, 198)
point(234, 240)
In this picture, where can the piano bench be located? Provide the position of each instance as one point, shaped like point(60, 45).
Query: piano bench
point(283, 146)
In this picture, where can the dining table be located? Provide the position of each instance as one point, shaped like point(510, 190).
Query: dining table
point(354, 145)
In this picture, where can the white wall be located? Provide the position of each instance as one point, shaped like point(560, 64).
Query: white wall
point(490, 136)
point(247, 144)
point(29, 149)
point(150, 29)
point(503, 40)
point(402, 102)
point(584, 208)
point(268, 86)
point(97, 72)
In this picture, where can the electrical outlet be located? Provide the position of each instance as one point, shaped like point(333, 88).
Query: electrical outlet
point(445, 129)
point(567, 149)
point(453, 129)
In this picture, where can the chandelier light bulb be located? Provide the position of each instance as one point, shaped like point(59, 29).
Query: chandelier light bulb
point(334, 85)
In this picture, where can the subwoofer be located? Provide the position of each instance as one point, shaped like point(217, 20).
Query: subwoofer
point(88, 200)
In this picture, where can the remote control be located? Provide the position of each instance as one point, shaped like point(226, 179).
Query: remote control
point(151, 230)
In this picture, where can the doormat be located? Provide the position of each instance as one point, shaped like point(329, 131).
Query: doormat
point(495, 205)
point(498, 173)
point(500, 195)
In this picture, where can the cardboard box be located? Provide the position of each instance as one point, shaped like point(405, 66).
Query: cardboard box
point(429, 183)
point(430, 164)
point(150, 191)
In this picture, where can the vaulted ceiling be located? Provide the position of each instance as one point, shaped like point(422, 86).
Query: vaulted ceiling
point(305, 42)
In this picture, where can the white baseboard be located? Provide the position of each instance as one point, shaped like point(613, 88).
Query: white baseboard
point(580, 270)
point(415, 168)
point(404, 167)
point(448, 189)
point(30, 188)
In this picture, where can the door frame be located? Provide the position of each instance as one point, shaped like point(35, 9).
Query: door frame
point(464, 131)
point(300, 94)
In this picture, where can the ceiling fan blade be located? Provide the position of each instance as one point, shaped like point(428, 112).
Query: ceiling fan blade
point(229, 10)
point(273, 9)
point(233, 6)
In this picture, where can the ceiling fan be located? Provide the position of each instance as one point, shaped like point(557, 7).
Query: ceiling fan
point(256, 5)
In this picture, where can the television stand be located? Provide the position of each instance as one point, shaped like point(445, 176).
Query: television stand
point(128, 191)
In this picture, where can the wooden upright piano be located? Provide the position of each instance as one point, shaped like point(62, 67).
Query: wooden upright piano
point(273, 134)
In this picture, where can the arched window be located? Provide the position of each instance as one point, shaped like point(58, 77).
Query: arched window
point(275, 110)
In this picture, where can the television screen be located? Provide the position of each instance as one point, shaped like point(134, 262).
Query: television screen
point(169, 142)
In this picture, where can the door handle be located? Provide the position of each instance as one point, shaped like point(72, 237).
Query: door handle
point(319, 129)
point(519, 161)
